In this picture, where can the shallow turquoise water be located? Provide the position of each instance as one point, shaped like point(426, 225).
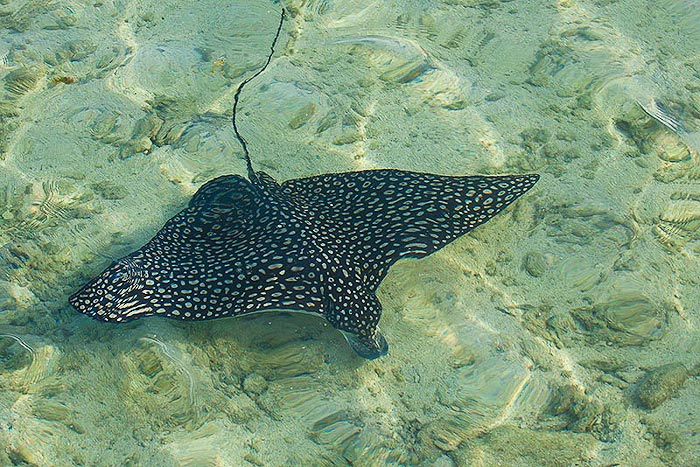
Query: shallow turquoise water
point(562, 332)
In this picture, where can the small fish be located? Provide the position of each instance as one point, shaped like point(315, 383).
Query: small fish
point(319, 245)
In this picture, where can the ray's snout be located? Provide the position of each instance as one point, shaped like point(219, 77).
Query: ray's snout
point(115, 295)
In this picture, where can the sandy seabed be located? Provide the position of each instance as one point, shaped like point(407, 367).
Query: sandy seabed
point(563, 332)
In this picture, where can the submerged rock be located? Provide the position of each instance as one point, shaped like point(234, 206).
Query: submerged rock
point(254, 383)
point(474, 397)
point(22, 81)
point(535, 264)
point(660, 384)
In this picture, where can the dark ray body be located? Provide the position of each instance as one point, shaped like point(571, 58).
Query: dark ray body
point(320, 245)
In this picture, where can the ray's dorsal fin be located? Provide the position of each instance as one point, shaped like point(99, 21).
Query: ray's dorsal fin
point(223, 206)
point(252, 176)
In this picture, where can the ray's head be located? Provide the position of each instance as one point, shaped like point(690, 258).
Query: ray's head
point(119, 294)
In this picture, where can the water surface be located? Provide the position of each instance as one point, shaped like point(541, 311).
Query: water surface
point(563, 332)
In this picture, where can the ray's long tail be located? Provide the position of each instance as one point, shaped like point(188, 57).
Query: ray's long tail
point(249, 164)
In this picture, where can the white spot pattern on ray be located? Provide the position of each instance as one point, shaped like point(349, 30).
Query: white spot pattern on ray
point(321, 244)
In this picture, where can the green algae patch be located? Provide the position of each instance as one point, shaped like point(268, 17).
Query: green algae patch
point(510, 445)
point(110, 190)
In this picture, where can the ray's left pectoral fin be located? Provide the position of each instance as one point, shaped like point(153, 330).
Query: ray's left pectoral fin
point(356, 314)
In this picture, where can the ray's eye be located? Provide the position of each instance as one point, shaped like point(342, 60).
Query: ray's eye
point(118, 275)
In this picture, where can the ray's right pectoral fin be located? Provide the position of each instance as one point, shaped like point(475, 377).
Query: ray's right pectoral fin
point(369, 347)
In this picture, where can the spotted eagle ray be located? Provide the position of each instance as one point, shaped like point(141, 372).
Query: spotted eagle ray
point(320, 245)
